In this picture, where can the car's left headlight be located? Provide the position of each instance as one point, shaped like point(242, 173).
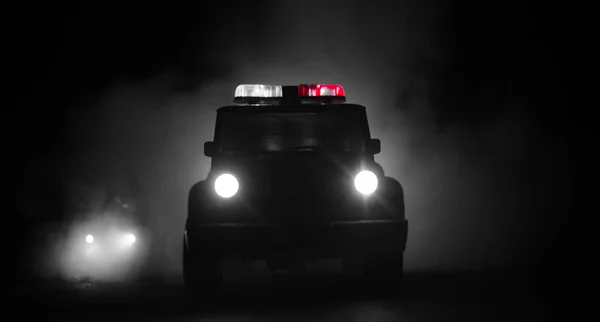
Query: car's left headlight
point(366, 182)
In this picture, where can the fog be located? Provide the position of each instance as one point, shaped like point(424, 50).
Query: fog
point(473, 190)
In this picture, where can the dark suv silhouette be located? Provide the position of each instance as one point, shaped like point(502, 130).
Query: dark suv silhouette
point(293, 178)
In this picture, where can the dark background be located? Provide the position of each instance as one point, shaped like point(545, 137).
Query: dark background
point(469, 100)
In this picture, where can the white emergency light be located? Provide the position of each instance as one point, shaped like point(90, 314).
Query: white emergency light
point(258, 91)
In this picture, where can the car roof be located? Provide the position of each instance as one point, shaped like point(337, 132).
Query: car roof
point(292, 108)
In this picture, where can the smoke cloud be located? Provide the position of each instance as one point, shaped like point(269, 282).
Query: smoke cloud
point(473, 190)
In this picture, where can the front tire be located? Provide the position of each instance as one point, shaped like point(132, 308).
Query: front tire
point(202, 275)
point(385, 273)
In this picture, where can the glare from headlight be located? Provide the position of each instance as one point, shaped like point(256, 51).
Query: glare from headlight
point(226, 185)
point(89, 239)
point(129, 239)
point(365, 182)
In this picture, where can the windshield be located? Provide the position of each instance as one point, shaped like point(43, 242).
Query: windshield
point(273, 132)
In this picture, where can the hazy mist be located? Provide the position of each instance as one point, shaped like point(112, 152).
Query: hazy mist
point(473, 196)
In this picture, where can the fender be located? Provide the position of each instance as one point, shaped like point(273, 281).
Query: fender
point(199, 201)
point(392, 197)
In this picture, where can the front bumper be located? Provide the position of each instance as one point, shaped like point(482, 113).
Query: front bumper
point(333, 239)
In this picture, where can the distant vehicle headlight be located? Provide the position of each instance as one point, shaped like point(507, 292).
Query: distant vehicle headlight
point(89, 239)
point(226, 185)
point(129, 239)
point(365, 182)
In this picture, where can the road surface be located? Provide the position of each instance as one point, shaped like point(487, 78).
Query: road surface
point(466, 296)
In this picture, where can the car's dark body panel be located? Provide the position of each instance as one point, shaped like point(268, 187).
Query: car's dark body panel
point(348, 238)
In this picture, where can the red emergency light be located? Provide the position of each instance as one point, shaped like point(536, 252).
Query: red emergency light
point(316, 90)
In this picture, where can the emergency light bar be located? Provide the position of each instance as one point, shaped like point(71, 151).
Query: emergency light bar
point(303, 93)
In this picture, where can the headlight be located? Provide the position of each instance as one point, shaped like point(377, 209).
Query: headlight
point(129, 239)
point(89, 239)
point(226, 185)
point(365, 182)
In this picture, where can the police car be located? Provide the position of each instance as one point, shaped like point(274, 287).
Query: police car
point(293, 178)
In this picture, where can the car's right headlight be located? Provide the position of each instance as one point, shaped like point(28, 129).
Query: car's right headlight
point(366, 182)
point(226, 185)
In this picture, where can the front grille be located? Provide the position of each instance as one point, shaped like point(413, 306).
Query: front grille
point(297, 190)
point(306, 207)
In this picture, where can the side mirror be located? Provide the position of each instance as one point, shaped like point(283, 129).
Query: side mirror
point(209, 149)
point(374, 146)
